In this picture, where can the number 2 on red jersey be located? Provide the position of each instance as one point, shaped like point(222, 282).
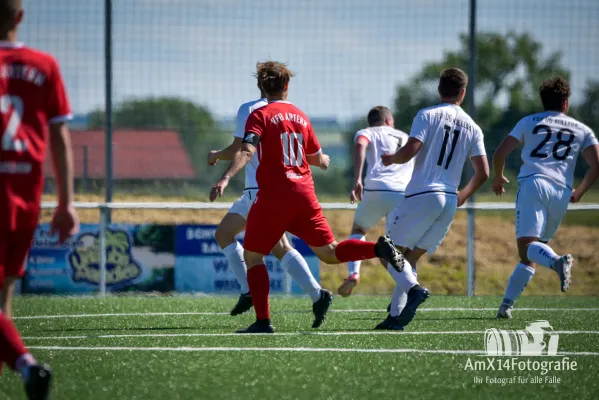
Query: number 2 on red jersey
point(13, 106)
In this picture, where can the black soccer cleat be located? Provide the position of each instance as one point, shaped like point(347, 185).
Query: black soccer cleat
point(321, 306)
point(38, 384)
point(244, 303)
point(260, 326)
point(385, 249)
point(416, 296)
point(391, 324)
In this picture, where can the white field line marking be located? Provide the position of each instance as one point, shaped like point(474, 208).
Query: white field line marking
point(163, 314)
point(289, 349)
point(342, 333)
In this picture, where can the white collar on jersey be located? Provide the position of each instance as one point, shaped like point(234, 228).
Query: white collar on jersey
point(280, 101)
point(10, 45)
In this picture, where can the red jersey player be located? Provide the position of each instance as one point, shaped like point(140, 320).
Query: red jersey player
point(286, 201)
point(33, 107)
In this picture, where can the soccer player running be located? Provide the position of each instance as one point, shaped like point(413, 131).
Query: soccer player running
point(442, 138)
point(32, 99)
point(552, 143)
point(235, 220)
point(287, 146)
point(384, 186)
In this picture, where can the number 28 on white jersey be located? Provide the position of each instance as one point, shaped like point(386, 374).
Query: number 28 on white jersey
point(552, 143)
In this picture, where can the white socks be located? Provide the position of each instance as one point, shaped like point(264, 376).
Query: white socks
point(404, 281)
point(353, 267)
point(292, 261)
point(234, 254)
point(518, 280)
point(299, 271)
point(398, 301)
point(22, 365)
point(541, 254)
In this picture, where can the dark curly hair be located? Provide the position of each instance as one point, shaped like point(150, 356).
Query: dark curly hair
point(554, 93)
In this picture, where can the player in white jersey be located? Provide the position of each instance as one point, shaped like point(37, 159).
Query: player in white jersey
point(235, 220)
point(442, 139)
point(384, 186)
point(552, 143)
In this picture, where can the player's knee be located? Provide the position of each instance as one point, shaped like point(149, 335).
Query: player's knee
point(282, 247)
point(252, 259)
point(223, 237)
point(358, 230)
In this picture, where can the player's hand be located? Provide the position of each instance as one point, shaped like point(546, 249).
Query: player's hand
point(213, 157)
point(325, 160)
point(65, 223)
point(219, 188)
point(575, 197)
point(498, 184)
point(388, 159)
point(356, 192)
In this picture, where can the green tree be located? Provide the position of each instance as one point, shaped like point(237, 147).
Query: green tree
point(588, 111)
point(510, 69)
point(197, 128)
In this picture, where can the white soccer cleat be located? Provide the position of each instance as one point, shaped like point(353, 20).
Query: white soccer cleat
point(563, 267)
point(505, 312)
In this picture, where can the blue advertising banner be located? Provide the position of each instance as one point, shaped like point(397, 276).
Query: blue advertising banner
point(200, 266)
point(138, 258)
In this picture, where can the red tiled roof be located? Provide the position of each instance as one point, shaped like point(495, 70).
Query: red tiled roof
point(137, 154)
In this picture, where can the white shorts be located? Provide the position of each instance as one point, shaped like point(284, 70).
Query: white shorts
point(375, 205)
point(423, 220)
point(243, 204)
point(541, 205)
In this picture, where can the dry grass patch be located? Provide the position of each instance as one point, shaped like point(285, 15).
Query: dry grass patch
point(443, 272)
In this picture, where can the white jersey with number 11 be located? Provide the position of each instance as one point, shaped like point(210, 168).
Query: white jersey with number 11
point(449, 136)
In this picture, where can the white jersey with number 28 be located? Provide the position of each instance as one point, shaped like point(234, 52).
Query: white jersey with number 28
point(449, 136)
point(552, 143)
point(242, 116)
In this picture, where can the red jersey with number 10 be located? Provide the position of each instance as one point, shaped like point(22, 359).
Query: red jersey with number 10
point(32, 96)
point(286, 137)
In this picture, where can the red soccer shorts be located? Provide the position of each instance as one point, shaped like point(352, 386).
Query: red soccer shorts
point(272, 215)
point(14, 247)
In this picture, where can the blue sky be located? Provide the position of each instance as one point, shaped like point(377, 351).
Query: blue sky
point(348, 54)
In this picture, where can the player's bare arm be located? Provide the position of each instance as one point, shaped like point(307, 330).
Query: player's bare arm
point(319, 160)
point(65, 221)
point(359, 159)
point(405, 154)
point(501, 154)
point(481, 174)
point(591, 156)
point(240, 160)
point(225, 154)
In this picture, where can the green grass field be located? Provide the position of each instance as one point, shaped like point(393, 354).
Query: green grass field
point(169, 348)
